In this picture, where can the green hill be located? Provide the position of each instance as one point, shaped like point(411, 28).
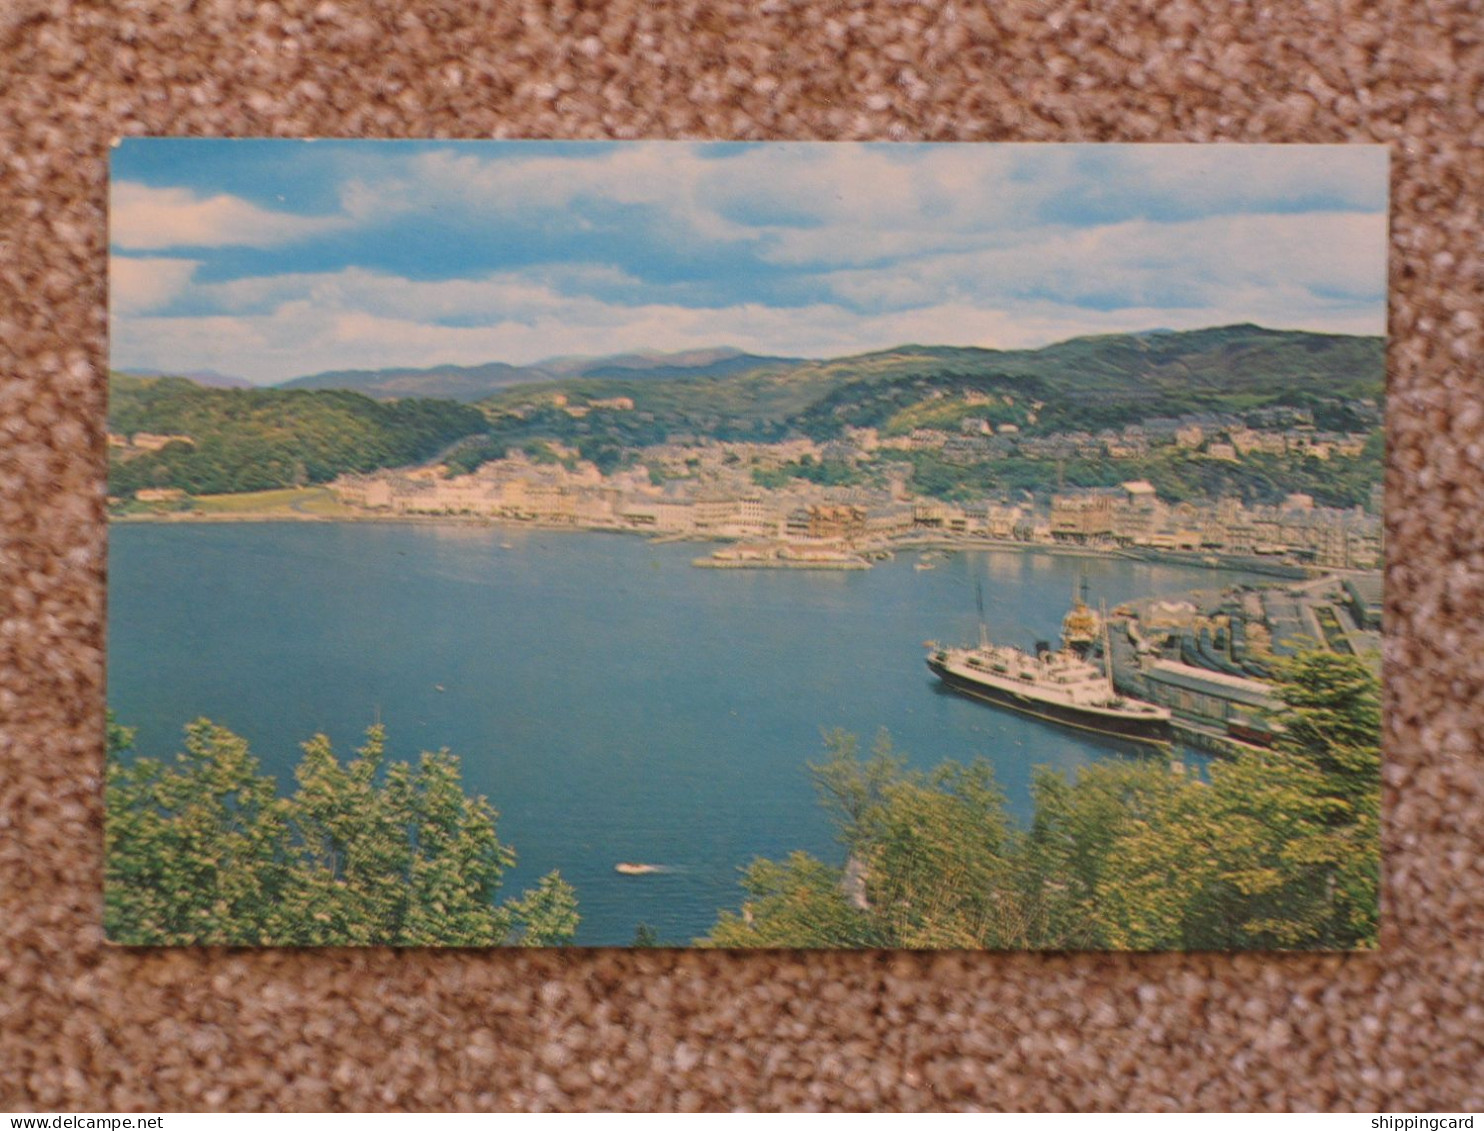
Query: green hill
point(257, 439)
point(468, 383)
point(1241, 360)
point(1083, 382)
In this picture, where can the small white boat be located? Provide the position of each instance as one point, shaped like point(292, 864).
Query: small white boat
point(627, 869)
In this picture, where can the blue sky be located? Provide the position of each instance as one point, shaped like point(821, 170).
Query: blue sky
point(271, 259)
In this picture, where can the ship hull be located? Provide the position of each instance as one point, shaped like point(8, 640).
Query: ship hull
point(1156, 731)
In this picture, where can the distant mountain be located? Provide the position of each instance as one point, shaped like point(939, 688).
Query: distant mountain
point(716, 361)
point(578, 365)
point(209, 378)
point(444, 382)
point(1088, 381)
point(720, 367)
point(475, 382)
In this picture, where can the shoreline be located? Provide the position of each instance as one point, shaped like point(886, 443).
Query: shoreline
point(933, 542)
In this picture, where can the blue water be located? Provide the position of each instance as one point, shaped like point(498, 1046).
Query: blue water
point(613, 702)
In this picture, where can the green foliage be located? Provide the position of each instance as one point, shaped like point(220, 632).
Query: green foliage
point(1332, 731)
point(259, 439)
point(1280, 849)
point(469, 456)
point(1069, 847)
point(929, 863)
point(117, 739)
point(745, 406)
point(540, 453)
point(605, 454)
point(799, 903)
point(1177, 475)
point(826, 473)
point(193, 853)
point(1101, 381)
point(363, 852)
point(645, 937)
point(547, 913)
point(931, 396)
point(937, 478)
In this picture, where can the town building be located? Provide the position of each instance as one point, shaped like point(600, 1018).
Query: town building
point(1213, 698)
point(1084, 519)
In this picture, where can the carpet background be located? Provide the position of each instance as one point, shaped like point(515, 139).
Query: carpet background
point(84, 1027)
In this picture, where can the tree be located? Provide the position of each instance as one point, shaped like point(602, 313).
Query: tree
point(801, 902)
point(1077, 835)
point(936, 857)
point(1155, 871)
point(1320, 884)
point(929, 863)
point(365, 852)
point(193, 852)
point(548, 913)
point(645, 937)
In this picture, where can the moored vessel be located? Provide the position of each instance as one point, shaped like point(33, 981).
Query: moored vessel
point(1059, 686)
point(1081, 627)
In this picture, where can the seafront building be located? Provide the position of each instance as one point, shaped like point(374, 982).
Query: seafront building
point(718, 500)
point(1210, 698)
point(696, 486)
point(1134, 516)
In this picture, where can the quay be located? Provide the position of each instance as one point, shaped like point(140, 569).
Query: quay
point(1209, 740)
point(779, 563)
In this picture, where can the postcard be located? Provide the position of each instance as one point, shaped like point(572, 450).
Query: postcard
point(790, 545)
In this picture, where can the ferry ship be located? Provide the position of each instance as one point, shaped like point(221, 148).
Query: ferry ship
point(1061, 687)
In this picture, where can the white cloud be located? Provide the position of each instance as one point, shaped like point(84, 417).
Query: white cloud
point(293, 325)
point(497, 297)
point(834, 204)
point(142, 218)
point(137, 285)
point(803, 202)
point(531, 186)
point(1006, 246)
point(1144, 264)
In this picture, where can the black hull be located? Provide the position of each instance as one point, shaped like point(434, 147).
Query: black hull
point(1157, 731)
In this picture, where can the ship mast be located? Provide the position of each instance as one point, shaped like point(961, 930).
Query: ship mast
point(1107, 648)
point(979, 601)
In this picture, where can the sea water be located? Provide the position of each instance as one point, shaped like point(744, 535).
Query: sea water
point(613, 702)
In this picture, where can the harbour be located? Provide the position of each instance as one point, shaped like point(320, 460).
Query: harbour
point(615, 704)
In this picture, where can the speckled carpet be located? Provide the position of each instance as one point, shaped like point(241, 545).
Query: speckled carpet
point(86, 1027)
